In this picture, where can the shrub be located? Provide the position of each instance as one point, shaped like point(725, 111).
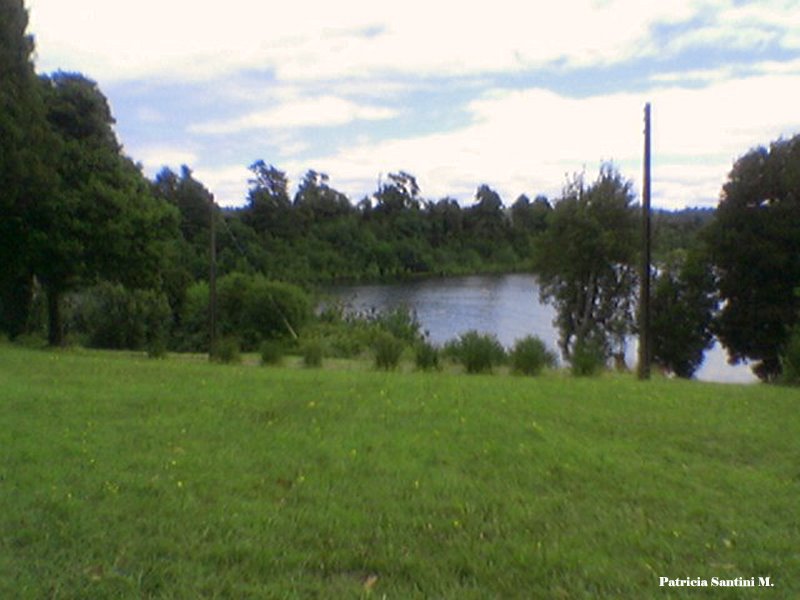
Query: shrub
point(157, 347)
point(426, 356)
point(273, 309)
point(109, 315)
point(312, 353)
point(226, 351)
point(401, 322)
point(388, 350)
point(479, 353)
point(588, 359)
point(530, 355)
point(271, 352)
point(249, 307)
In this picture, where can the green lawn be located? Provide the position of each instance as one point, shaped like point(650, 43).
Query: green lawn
point(122, 477)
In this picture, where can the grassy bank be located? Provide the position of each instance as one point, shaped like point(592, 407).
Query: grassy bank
point(125, 477)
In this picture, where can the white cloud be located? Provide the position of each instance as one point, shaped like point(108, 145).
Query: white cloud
point(228, 183)
point(528, 141)
point(309, 39)
point(155, 157)
point(323, 64)
point(303, 112)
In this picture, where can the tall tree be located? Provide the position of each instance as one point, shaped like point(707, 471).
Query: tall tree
point(755, 246)
point(486, 218)
point(399, 194)
point(25, 170)
point(586, 262)
point(269, 208)
point(317, 201)
point(683, 303)
point(190, 197)
point(101, 220)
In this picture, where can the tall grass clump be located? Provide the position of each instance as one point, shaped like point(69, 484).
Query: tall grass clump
point(312, 353)
point(271, 352)
point(227, 351)
point(426, 356)
point(530, 356)
point(388, 350)
point(588, 359)
point(477, 352)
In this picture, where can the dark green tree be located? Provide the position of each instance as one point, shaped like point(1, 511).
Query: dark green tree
point(26, 172)
point(192, 200)
point(755, 246)
point(485, 219)
point(446, 221)
point(316, 201)
point(399, 194)
point(683, 303)
point(101, 221)
point(269, 209)
point(586, 262)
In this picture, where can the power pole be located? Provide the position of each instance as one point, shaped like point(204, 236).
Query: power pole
point(645, 351)
point(212, 283)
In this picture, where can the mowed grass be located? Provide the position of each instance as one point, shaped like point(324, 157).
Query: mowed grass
point(122, 477)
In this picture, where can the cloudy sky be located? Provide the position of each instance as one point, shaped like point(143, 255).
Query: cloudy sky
point(516, 94)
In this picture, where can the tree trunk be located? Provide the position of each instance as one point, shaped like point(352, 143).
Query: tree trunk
point(55, 335)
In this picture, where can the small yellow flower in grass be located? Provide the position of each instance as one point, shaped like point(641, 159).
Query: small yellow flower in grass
point(180, 484)
point(456, 523)
point(312, 404)
point(416, 484)
point(353, 453)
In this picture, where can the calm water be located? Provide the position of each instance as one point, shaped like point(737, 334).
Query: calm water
point(505, 305)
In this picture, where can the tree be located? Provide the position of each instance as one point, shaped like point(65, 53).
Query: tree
point(25, 172)
point(269, 208)
point(101, 220)
point(486, 219)
point(400, 194)
point(586, 262)
point(755, 247)
point(683, 303)
point(192, 200)
point(317, 201)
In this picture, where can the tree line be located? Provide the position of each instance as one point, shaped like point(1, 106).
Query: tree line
point(85, 234)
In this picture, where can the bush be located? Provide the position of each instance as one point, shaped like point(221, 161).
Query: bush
point(388, 350)
point(111, 316)
point(226, 351)
point(271, 352)
point(249, 307)
point(426, 356)
point(312, 353)
point(530, 355)
point(157, 347)
point(401, 322)
point(588, 359)
point(479, 353)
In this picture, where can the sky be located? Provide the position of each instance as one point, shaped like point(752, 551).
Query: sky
point(517, 94)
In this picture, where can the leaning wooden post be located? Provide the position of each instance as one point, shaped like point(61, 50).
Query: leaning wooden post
point(645, 350)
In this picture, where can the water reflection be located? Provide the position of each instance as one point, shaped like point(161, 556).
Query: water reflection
point(505, 305)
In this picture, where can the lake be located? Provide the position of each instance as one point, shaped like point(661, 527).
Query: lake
point(506, 305)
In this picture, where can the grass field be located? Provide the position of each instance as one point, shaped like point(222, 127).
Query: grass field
point(122, 477)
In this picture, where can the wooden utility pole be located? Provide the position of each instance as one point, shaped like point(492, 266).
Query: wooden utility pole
point(212, 282)
point(645, 351)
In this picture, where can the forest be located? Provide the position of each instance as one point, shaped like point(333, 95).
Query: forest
point(90, 243)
